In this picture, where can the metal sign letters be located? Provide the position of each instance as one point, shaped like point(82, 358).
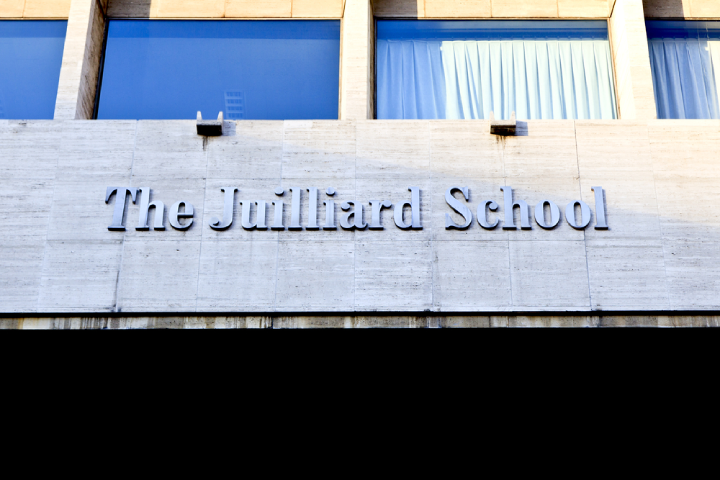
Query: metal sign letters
point(180, 214)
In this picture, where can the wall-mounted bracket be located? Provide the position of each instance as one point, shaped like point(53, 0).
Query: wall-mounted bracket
point(210, 128)
point(503, 127)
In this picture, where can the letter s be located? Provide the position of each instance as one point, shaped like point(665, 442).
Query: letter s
point(460, 208)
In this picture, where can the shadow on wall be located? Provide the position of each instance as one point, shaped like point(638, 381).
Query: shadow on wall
point(398, 8)
point(130, 9)
point(665, 8)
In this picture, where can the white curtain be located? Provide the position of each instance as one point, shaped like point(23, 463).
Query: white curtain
point(410, 81)
point(686, 77)
point(538, 79)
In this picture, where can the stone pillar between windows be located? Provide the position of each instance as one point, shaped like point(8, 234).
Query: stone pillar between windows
point(357, 85)
point(81, 60)
point(633, 76)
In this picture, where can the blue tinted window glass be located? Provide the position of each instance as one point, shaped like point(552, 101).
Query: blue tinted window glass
point(685, 62)
point(252, 70)
point(30, 60)
point(466, 69)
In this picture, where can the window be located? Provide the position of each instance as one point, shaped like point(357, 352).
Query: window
point(274, 70)
point(685, 62)
point(466, 69)
point(30, 60)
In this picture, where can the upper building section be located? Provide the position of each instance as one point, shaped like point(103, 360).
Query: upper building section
point(364, 73)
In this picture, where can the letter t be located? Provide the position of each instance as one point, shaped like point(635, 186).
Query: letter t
point(120, 200)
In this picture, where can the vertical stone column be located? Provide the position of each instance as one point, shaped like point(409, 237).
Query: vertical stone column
point(81, 60)
point(357, 85)
point(636, 98)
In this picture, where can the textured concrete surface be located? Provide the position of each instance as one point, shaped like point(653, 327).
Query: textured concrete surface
point(631, 57)
point(50, 9)
point(357, 321)
point(226, 8)
point(81, 61)
point(661, 252)
point(357, 65)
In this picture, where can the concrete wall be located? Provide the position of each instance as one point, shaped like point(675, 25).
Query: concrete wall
point(492, 8)
point(661, 252)
point(55, 9)
point(226, 8)
point(631, 57)
point(123, 322)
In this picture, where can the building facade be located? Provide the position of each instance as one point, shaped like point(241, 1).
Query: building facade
point(364, 219)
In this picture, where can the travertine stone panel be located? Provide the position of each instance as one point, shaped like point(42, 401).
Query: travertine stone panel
point(464, 148)
point(458, 9)
point(616, 156)
point(26, 205)
point(357, 66)
point(471, 276)
point(684, 156)
point(46, 8)
point(255, 9)
point(80, 275)
point(549, 275)
point(627, 274)
point(161, 275)
point(88, 148)
point(237, 279)
point(11, 8)
point(390, 148)
point(636, 100)
point(705, 9)
point(24, 139)
point(195, 8)
point(317, 8)
point(169, 149)
point(313, 149)
point(315, 275)
point(399, 8)
point(692, 273)
point(19, 282)
point(667, 8)
point(582, 8)
point(525, 8)
point(548, 149)
point(684, 159)
point(251, 149)
point(393, 275)
point(81, 60)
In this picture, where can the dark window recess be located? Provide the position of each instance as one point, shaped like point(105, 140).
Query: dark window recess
point(249, 70)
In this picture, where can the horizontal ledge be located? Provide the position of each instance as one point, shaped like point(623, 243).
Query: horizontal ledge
point(320, 314)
